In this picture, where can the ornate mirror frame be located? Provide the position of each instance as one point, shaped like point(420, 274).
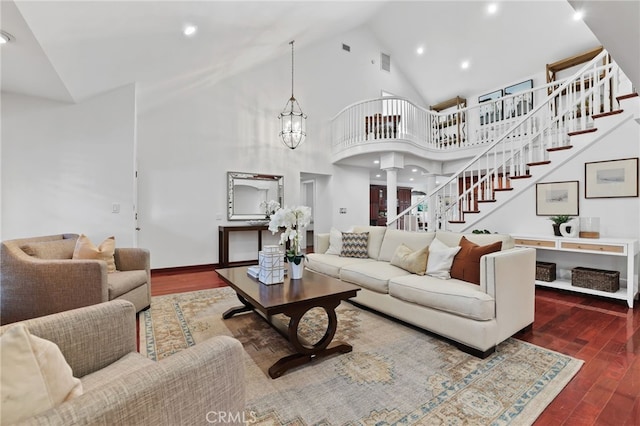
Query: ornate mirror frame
point(247, 190)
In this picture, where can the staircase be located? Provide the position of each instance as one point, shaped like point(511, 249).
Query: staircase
point(576, 114)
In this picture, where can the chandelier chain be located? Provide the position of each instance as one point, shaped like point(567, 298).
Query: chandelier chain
point(291, 43)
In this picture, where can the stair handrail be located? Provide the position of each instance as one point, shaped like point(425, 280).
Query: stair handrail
point(563, 86)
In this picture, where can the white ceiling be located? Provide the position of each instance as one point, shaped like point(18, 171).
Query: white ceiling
point(72, 50)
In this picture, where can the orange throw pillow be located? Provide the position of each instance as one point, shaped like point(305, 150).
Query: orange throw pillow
point(466, 264)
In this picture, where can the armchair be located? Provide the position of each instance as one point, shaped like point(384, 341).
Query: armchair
point(120, 386)
point(38, 277)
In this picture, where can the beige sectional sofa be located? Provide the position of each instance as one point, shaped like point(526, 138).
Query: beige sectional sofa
point(475, 317)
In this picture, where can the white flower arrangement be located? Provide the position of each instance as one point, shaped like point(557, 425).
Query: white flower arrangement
point(293, 220)
point(269, 207)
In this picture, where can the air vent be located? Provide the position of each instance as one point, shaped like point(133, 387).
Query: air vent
point(346, 47)
point(385, 62)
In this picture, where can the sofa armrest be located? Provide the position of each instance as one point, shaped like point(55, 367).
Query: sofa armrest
point(322, 243)
point(203, 384)
point(92, 337)
point(132, 259)
point(34, 287)
point(509, 276)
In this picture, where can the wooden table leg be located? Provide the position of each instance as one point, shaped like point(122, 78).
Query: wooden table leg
point(308, 352)
point(237, 310)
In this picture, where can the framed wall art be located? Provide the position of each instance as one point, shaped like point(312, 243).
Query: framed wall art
point(557, 198)
point(519, 104)
point(611, 179)
point(490, 108)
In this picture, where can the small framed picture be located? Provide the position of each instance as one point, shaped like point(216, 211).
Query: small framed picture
point(557, 198)
point(518, 104)
point(611, 179)
point(490, 107)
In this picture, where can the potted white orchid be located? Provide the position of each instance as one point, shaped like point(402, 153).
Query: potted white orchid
point(269, 207)
point(293, 220)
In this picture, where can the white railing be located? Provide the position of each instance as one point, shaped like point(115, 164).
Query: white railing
point(512, 146)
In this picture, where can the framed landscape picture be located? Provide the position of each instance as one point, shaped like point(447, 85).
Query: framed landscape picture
point(519, 104)
point(490, 110)
point(557, 198)
point(611, 179)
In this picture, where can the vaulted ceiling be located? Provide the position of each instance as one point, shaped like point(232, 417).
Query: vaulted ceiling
point(72, 50)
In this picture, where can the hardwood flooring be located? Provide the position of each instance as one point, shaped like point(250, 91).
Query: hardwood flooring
point(602, 332)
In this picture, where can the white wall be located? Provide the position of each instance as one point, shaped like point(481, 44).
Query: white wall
point(63, 165)
point(188, 143)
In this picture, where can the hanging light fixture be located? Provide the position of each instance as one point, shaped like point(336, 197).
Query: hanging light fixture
point(293, 130)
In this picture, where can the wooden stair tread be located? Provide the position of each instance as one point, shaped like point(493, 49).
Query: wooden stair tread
point(520, 177)
point(559, 148)
point(457, 221)
point(539, 163)
point(582, 132)
point(606, 114)
point(470, 211)
point(502, 189)
point(492, 200)
point(630, 95)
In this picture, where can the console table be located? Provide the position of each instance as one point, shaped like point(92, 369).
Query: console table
point(570, 250)
point(223, 242)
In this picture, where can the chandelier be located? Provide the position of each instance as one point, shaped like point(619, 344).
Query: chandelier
point(292, 119)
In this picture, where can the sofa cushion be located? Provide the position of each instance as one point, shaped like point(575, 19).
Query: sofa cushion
point(440, 259)
point(394, 237)
point(35, 376)
point(452, 239)
point(121, 282)
point(454, 296)
point(410, 260)
point(85, 249)
point(329, 264)
point(466, 264)
point(376, 235)
point(57, 249)
point(123, 367)
point(355, 245)
point(372, 275)
point(335, 242)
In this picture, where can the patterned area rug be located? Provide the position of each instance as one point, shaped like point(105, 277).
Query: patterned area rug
point(395, 374)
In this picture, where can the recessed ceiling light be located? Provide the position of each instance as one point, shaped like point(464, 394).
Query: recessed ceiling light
point(420, 50)
point(411, 180)
point(376, 161)
point(492, 8)
point(377, 175)
point(5, 37)
point(578, 15)
point(414, 170)
point(464, 65)
point(190, 30)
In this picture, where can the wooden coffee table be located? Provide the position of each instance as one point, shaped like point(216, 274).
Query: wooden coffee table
point(292, 298)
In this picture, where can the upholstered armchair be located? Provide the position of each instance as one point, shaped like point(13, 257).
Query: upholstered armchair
point(39, 277)
point(122, 387)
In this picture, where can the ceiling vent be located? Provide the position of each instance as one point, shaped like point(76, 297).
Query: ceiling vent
point(385, 62)
point(346, 47)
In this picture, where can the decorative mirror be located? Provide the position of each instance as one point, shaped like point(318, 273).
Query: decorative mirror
point(247, 190)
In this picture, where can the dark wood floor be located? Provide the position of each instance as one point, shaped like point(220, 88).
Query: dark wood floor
point(603, 333)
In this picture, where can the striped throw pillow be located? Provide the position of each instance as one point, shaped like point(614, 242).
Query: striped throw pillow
point(355, 245)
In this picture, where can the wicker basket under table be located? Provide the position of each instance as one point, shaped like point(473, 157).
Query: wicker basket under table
point(596, 279)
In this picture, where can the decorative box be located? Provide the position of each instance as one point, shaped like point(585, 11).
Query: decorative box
point(596, 279)
point(545, 271)
point(271, 267)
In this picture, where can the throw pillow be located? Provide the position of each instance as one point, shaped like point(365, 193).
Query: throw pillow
point(440, 259)
point(34, 375)
point(335, 242)
point(105, 251)
point(355, 245)
point(466, 264)
point(56, 249)
point(409, 260)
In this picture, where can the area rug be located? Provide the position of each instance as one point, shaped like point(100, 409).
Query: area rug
point(395, 375)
